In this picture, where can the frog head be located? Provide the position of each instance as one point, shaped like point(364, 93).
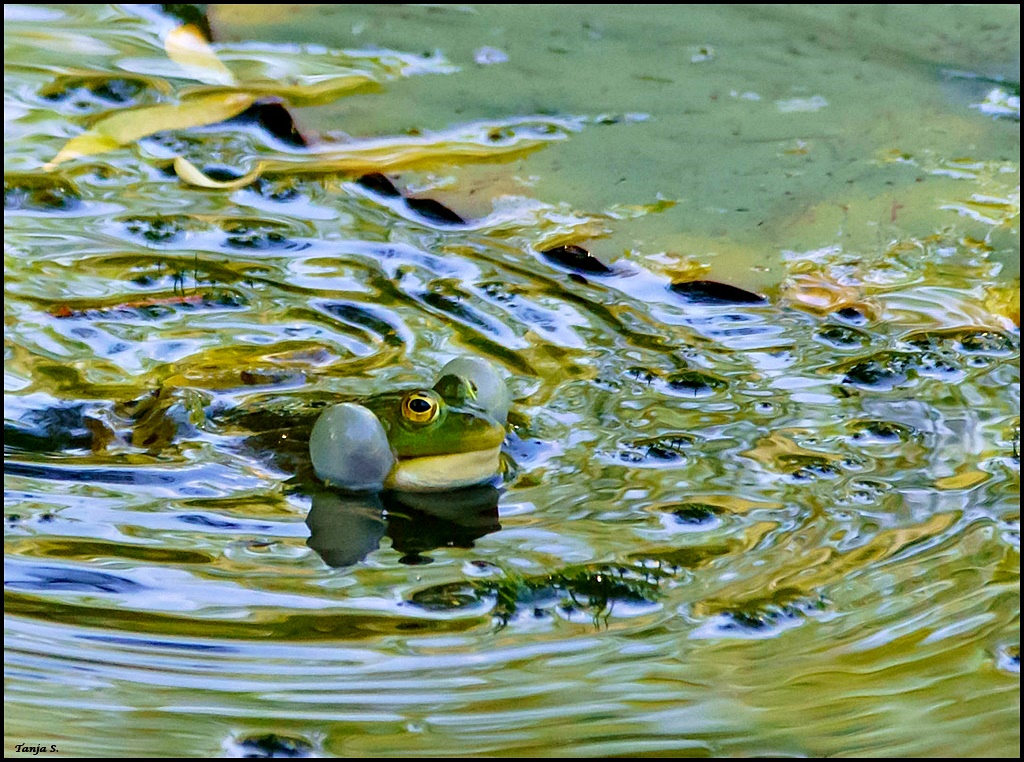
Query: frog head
point(443, 437)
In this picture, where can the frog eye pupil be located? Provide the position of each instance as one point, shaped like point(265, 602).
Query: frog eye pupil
point(418, 405)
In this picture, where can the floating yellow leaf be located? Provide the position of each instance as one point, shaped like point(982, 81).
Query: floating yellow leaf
point(474, 143)
point(187, 47)
point(130, 125)
point(313, 92)
point(189, 173)
point(86, 144)
point(388, 154)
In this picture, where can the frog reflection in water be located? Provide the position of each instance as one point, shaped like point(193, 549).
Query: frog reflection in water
point(418, 440)
point(346, 527)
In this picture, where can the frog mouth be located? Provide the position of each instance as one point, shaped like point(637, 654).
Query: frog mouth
point(441, 472)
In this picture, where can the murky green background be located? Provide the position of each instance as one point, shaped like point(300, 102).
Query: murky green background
point(782, 528)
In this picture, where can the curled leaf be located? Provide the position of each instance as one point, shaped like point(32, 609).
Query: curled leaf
point(189, 173)
point(187, 47)
point(130, 125)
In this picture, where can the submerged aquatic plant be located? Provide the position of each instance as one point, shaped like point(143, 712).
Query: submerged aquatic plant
point(594, 590)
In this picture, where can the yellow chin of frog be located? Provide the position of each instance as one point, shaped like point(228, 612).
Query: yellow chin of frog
point(441, 472)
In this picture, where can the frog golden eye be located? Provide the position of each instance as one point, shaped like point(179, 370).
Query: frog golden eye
point(419, 407)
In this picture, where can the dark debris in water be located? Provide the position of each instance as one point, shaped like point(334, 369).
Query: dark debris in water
point(40, 193)
point(757, 621)
point(695, 514)
point(851, 315)
point(882, 432)
point(642, 375)
point(275, 120)
point(669, 449)
point(379, 184)
point(759, 617)
point(576, 258)
point(943, 355)
point(695, 384)
point(270, 745)
point(158, 229)
point(434, 211)
point(842, 337)
point(93, 93)
point(807, 467)
point(261, 236)
point(713, 293)
point(970, 341)
point(935, 365)
point(427, 208)
point(51, 430)
point(280, 189)
point(881, 372)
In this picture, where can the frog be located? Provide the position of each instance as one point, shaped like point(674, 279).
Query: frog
point(423, 439)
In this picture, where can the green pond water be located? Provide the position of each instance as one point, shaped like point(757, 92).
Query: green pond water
point(785, 525)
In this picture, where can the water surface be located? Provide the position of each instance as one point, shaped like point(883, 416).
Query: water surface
point(784, 524)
